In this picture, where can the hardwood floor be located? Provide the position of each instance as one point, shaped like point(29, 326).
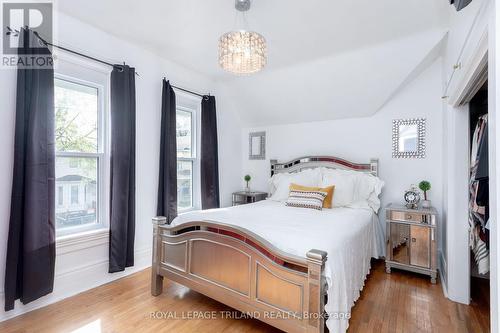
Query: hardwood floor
point(480, 300)
point(408, 302)
point(397, 302)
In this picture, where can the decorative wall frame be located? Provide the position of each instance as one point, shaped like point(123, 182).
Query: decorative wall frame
point(408, 138)
point(257, 146)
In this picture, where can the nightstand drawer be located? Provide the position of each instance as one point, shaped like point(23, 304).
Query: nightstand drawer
point(410, 217)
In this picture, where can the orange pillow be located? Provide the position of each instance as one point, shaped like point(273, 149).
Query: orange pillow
point(327, 203)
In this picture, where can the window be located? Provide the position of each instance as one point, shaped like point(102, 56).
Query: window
point(74, 194)
point(186, 158)
point(60, 195)
point(79, 154)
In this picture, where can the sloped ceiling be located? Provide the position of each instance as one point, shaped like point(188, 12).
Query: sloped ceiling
point(351, 84)
point(327, 58)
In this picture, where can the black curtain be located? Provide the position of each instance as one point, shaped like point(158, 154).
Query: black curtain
point(209, 159)
point(122, 177)
point(460, 4)
point(29, 272)
point(167, 181)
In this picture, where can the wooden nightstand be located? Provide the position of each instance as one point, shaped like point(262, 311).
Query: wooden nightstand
point(244, 197)
point(411, 236)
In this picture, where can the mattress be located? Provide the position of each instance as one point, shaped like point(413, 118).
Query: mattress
point(351, 237)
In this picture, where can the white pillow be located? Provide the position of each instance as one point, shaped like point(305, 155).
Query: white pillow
point(280, 183)
point(366, 187)
point(343, 193)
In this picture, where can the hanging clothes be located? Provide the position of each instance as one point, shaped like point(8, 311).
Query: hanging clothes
point(479, 196)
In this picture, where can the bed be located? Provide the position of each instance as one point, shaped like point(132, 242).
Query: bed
point(286, 266)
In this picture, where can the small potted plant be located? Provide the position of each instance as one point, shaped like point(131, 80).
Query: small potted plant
point(247, 178)
point(425, 186)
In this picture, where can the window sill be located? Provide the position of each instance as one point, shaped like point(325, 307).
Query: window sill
point(187, 210)
point(80, 241)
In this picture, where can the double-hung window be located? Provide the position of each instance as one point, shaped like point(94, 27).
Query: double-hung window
point(80, 154)
point(187, 158)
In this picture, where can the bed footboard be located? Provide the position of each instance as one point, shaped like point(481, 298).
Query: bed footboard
point(240, 269)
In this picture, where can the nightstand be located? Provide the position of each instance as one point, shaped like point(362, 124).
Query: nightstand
point(244, 197)
point(411, 236)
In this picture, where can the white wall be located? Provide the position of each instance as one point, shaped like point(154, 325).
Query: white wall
point(359, 139)
point(84, 265)
point(229, 127)
point(466, 29)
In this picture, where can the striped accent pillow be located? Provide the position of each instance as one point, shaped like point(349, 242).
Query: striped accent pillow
point(306, 199)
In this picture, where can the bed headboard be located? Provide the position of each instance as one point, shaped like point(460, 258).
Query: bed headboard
point(310, 162)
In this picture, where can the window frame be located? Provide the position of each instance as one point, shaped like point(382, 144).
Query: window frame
point(101, 155)
point(187, 103)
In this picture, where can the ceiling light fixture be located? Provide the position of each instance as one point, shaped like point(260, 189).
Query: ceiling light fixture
point(242, 51)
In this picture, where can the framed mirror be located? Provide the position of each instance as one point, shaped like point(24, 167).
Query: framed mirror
point(408, 138)
point(257, 146)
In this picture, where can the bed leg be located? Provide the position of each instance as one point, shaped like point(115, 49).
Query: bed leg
point(317, 289)
point(156, 284)
point(156, 278)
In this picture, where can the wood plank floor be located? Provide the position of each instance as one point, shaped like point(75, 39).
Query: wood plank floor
point(397, 302)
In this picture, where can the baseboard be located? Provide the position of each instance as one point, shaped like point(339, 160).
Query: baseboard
point(442, 273)
point(76, 280)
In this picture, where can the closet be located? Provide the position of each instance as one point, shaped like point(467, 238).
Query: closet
point(479, 239)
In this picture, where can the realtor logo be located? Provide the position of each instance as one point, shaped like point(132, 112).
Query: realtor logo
point(36, 16)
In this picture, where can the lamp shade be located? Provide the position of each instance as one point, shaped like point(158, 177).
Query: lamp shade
point(242, 52)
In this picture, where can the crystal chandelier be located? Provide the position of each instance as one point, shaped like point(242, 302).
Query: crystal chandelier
point(242, 52)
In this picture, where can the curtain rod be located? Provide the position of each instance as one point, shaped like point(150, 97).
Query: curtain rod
point(77, 53)
point(187, 90)
point(106, 63)
point(190, 92)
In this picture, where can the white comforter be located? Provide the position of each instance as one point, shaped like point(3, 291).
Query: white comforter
point(349, 236)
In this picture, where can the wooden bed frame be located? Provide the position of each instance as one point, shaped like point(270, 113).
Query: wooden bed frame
point(244, 271)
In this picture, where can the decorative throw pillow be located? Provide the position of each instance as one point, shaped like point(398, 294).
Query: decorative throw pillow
point(327, 203)
point(306, 199)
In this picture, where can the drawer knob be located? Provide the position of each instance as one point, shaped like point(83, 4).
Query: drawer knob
point(408, 217)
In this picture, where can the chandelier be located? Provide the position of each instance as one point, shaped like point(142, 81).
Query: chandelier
point(242, 51)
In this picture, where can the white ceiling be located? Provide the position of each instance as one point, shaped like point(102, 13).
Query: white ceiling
point(187, 31)
point(347, 57)
point(351, 84)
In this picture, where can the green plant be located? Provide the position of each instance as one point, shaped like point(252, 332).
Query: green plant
point(247, 178)
point(425, 186)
